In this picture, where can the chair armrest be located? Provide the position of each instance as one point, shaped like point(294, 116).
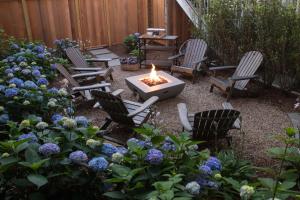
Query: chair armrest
point(98, 59)
point(144, 106)
point(91, 87)
point(89, 74)
point(117, 92)
point(183, 116)
point(199, 61)
point(240, 78)
point(176, 56)
point(221, 68)
point(87, 68)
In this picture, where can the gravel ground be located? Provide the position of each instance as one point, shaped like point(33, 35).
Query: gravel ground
point(263, 118)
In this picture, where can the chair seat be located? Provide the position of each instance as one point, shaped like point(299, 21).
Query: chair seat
point(182, 69)
point(139, 118)
point(220, 82)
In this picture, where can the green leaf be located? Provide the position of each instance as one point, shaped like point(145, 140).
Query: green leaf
point(37, 179)
point(120, 170)
point(168, 195)
point(267, 182)
point(21, 147)
point(163, 185)
point(71, 136)
point(115, 195)
point(8, 161)
point(31, 155)
point(287, 185)
point(157, 139)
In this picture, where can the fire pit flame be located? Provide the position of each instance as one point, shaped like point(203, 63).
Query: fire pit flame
point(153, 79)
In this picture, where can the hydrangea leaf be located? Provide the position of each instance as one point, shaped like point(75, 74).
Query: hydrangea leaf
point(115, 195)
point(37, 179)
point(157, 139)
point(120, 170)
point(31, 155)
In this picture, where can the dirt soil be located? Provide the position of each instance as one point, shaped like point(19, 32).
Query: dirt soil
point(263, 117)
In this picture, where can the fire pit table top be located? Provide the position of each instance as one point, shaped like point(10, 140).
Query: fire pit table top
point(165, 90)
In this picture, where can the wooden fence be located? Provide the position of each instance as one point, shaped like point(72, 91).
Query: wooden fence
point(94, 22)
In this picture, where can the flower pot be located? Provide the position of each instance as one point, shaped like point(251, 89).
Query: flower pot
point(130, 67)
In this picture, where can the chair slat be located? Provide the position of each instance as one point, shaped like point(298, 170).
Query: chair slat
point(76, 57)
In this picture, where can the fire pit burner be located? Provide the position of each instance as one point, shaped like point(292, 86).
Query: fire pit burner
point(151, 82)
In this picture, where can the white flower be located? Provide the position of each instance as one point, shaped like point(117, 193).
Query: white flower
point(43, 86)
point(193, 147)
point(41, 125)
point(193, 188)
point(93, 143)
point(246, 191)
point(23, 64)
point(62, 92)
point(25, 123)
point(1, 108)
point(51, 104)
point(10, 75)
point(53, 99)
point(26, 102)
point(33, 63)
point(5, 155)
point(69, 123)
point(12, 85)
point(117, 157)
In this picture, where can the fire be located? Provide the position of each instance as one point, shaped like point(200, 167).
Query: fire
point(153, 75)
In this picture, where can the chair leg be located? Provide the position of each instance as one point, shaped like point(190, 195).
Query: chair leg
point(229, 94)
point(111, 77)
point(212, 88)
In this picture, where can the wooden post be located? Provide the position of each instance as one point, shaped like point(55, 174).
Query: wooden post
point(27, 20)
point(106, 2)
point(78, 22)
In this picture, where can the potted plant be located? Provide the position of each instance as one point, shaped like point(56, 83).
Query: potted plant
point(131, 41)
point(129, 63)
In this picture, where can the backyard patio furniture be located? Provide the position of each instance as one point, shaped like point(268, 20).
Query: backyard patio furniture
point(209, 126)
point(81, 64)
point(83, 89)
point(124, 112)
point(243, 74)
point(171, 87)
point(192, 51)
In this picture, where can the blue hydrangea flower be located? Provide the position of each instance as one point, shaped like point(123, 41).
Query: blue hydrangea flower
point(82, 121)
point(206, 170)
point(53, 66)
point(4, 118)
point(48, 149)
point(18, 82)
point(53, 90)
point(36, 73)
point(154, 157)
point(11, 92)
point(168, 145)
point(39, 49)
point(56, 118)
point(2, 88)
point(98, 164)
point(122, 150)
point(10, 58)
point(137, 142)
point(70, 111)
point(21, 59)
point(35, 67)
point(108, 149)
point(16, 68)
point(9, 71)
point(30, 85)
point(26, 71)
point(14, 46)
point(42, 81)
point(214, 163)
point(31, 136)
point(193, 188)
point(41, 55)
point(78, 156)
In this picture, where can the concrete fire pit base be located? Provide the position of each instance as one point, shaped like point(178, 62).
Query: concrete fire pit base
point(166, 90)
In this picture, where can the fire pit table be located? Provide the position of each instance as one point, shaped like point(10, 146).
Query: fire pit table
point(158, 83)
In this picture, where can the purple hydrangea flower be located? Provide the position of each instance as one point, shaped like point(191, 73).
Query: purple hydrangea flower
point(4, 118)
point(10, 58)
point(48, 149)
point(56, 118)
point(168, 145)
point(82, 121)
point(39, 49)
point(108, 149)
point(21, 59)
point(18, 82)
point(30, 85)
point(214, 163)
point(41, 55)
point(26, 71)
point(207, 183)
point(14, 46)
point(98, 164)
point(122, 150)
point(35, 67)
point(53, 66)
point(2, 88)
point(137, 142)
point(154, 157)
point(30, 136)
point(36, 73)
point(11, 92)
point(78, 156)
point(53, 90)
point(206, 170)
point(42, 81)
point(9, 71)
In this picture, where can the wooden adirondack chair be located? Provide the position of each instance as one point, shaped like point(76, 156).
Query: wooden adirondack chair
point(83, 90)
point(208, 125)
point(193, 52)
point(123, 112)
point(243, 74)
point(82, 64)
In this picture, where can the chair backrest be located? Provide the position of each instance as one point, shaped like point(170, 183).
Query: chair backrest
point(195, 51)
point(114, 106)
point(213, 123)
point(247, 67)
point(62, 70)
point(76, 57)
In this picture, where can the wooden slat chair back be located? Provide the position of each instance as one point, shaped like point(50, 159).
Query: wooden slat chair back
point(76, 57)
point(212, 124)
point(195, 50)
point(114, 106)
point(247, 67)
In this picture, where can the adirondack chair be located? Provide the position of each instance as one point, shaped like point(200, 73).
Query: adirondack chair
point(82, 64)
point(123, 112)
point(208, 125)
point(192, 51)
point(83, 90)
point(243, 74)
